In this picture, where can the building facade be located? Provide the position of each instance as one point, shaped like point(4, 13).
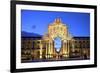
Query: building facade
point(56, 44)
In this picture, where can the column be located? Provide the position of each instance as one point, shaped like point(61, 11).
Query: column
point(68, 49)
point(40, 49)
point(52, 49)
point(73, 48)
point(64, 47)
point(46, 49)
point(49, 49)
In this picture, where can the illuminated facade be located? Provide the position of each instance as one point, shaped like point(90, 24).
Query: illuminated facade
point(56, 44)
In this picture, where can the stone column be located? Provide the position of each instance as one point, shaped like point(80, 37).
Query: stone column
point(73, 47)
point(40, 49)
point(65, 48)
point(46, 49)
point(49, 49)
point(68, 49)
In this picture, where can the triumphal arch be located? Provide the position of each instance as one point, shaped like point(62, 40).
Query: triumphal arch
point(57, 41)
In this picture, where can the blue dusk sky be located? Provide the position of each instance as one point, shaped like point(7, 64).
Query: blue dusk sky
point(34, 21)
